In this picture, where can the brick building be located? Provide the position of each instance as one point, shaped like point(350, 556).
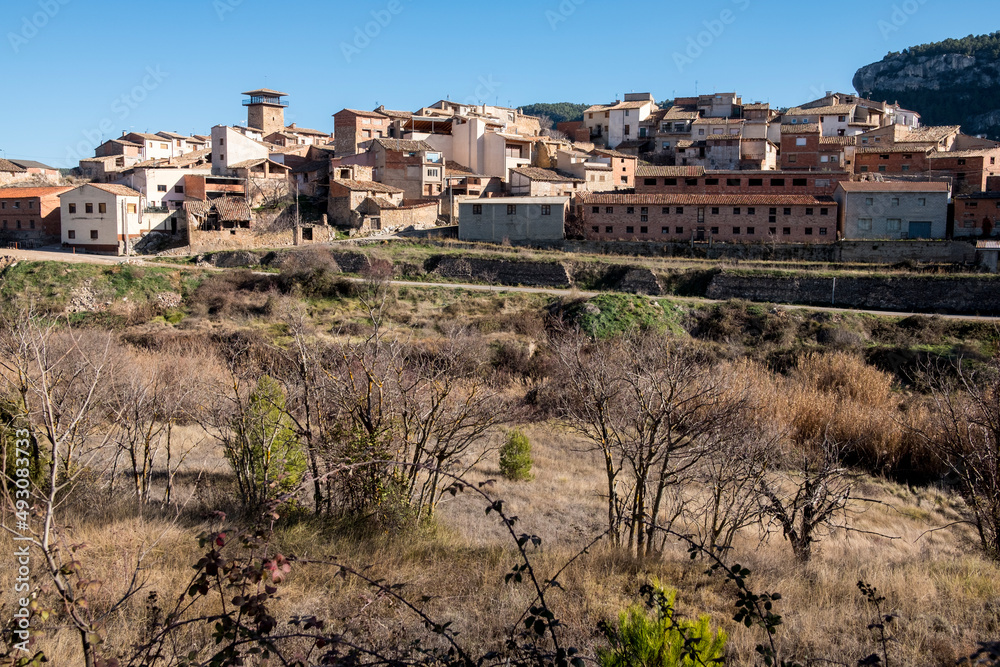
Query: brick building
point(30, 216)
point(731, 218)
point(698, 181)
point(970, 170)
point(893, 210)
point(415, 167)
point(899, 159)
point(10, 172)
point(977, 214)
point(353, 129)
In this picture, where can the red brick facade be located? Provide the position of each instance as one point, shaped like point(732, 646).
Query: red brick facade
point(31, 215)
point(891, 161)
point(731, 218)
point(697, 181)
point(977, 214)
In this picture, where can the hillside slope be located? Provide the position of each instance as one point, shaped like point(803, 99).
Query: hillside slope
point(954, 82)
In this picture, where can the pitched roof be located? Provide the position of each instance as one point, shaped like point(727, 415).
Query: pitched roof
point(757, 106)
point(305, 130)
point(118, 190)
point(974, 152)
point(610, 153)
point(123, 142)
point(546, 175)
point(250, 164)
point(708, 200)
point(145, 135)
point(228, 208)
point(897, 148)
point(24, 193)
point(680, 113)
point(893, 186)
point(931, 133)
point(31, 164)
point(365, 186)
point(394, 114)
point(649, 171)
point(7, 165)
point(840, 141)
point(831, 110)
point(456, 169)
point(358, 112)
point(719, 121)
point(811, 128)
point(375, 203)
point(404, 145)
point(172, 135)
point(315, 165)
point(265, 91)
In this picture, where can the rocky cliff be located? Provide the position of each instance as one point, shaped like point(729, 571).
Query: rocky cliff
point(956, 82)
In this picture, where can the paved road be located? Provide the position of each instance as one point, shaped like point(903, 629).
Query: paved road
point(60, 255)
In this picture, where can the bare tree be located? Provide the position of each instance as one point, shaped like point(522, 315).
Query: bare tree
point(965, 437)
point(805, 503)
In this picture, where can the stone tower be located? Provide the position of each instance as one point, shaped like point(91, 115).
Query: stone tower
point(265, 110)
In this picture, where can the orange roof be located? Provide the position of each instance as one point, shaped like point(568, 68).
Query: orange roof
point(119, 190)
point(709, 200)
point(25, 193)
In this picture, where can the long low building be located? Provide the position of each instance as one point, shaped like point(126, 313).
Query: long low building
point(733, 218)
point(893, 210)
point(516, 219)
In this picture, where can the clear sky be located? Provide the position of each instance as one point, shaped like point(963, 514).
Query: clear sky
point(76, 72)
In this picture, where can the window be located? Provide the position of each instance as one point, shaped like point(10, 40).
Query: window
point(921, 202)
point(711, 181)
point(841, 119)
point(810, 211)
point(644, 230)
point(736, 210)
point(664, 230)
point(546, 209)
point(595, 229)
point(715, 210)
point(161, 188)
point(666, 210)
point(644, 211)
point(865, 224)
point(751, 211)
point(670, 181)
point(679, 210)
point(88, 208)
point(93, 234)
point(777, 182)
point(32, 224)
point(477, 209)
point(895, 201)
point(17, 204)
point(961, 162)
point(164, 146)
point(691, 181)
point(824, 211)
point(609, 229)
point(511, 209)
point(625, 179)
point(793, 158)
point(822, 183)
point(733, 182)
point(773, 231)
point(609, 209)
point(787, 211)
point(893, 224)
point(102, 208)
point(433, 173)
point(822, 231)
point(643, 218)
point(628, 130)
point(736, 231)
point(71, 234)
point(755, 182)
point(72, 208)
point(863, 168)
point(630, 230)
point(905, 167)
point(881, 168)
point(678, 230)
point(31, 204)
point(799, 182)
point(630, 210)
point(786, 231)
point(649, 181)
point(800, 141)
point(131, 208)
point(715, 230)
point(869, 201)
point(666, 145)
point(750, 231)
point(809, 231)
point(18, 224)
point(179, 189)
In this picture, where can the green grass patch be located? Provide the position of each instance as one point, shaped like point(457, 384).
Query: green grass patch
point(609, 315)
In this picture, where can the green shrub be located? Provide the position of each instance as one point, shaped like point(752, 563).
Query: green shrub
point(641, 639)
point(515, 457)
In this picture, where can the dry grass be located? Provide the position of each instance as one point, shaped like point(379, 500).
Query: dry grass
point(944, 594)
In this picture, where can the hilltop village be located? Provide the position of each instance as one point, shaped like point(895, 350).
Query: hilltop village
point(710, 169)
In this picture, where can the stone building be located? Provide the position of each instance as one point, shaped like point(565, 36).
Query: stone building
point(265, 110)
point(30, 216)
point(353, 129)
point(515, 219)
point(893, 210)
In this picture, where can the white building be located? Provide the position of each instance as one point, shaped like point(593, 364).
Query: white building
point(101, 217)
point(230, 146)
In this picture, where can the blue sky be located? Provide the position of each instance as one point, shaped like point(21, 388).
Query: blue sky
point(79, 71)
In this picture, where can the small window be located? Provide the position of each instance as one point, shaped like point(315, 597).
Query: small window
point(630, 230)
point(129, 208)
point(595, 209)
point(161, 188)
point(595, 229)
point(800, 141)
point(630, 210)
point(750, 231)
point(88, 208)
point(799, 182)
point(477, 209)
point(786, 231)
point(31, 224)
point(711, 181)
point(809, 231)
point(609, 210)
point(755, 182)
point(822, 231)
point(715, 230)
point(679, 210)
point(810, 211)
point(863, 169)
point(691, 181)
point(882, 168)
point(93, 234)
point(665, 210)
point(649, 181)
point(793, 158)
point(824, 211)
point(865, 224)
point(773, 231)
point(546, 209)
point(664, 230)
point(715, 210)
point(736, 231)
point(777, 182)
point(922, 202)
point(733, 182)
point(72, 208)
point(511, 209)
point(609, 229)
point(751, 211)
point(736, 210)
point(678, 230)
point(644, 230)
point(893, 224)
point(670, 181)
point(179, 189)
point(102, 208)
point(895, 201)
point(71, 234)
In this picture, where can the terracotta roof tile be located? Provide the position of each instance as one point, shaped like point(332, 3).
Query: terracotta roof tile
point(708, 200)
point(404, 145)
point(893, 186)
point(24, 193)
point(119, 190)
point(7, 165)
point(366, 186)
point(228, 208)
point(811, 128)
point(546, 175)
point(648, 171)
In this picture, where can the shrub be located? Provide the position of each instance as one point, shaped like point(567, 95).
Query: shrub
point(661, 640)
point(515, 457)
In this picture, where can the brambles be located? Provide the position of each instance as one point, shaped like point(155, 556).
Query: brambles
point(515, 457)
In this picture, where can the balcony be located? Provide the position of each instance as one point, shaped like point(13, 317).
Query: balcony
point(261, 99)
point(156, 209)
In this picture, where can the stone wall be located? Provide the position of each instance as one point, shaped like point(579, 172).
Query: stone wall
point(965, 295)
point(500, 271)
